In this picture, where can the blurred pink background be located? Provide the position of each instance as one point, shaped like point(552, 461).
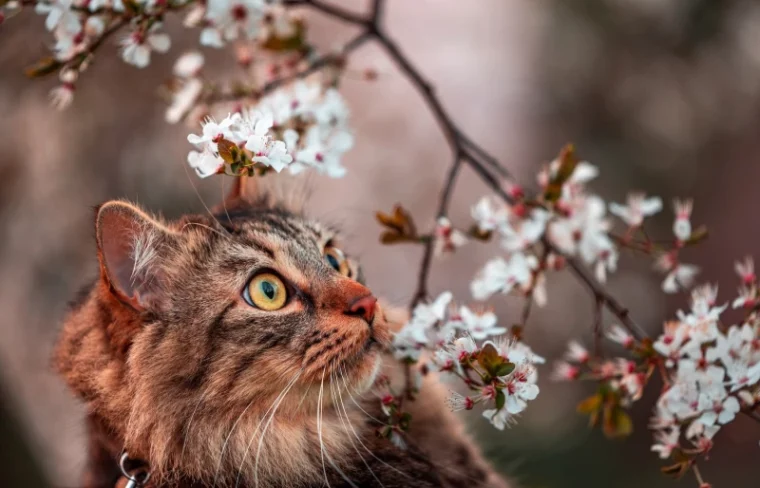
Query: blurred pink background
point(661, 95)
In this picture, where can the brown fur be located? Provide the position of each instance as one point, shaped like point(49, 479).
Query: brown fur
point(178, 370)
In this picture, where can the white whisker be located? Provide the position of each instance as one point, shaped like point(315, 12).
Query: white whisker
point(189, 422)
point(273, 408)
point(227, 439)
point(348, 420)
point(362, 443)
point(319, 425)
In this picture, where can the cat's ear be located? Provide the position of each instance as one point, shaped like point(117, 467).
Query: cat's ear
point(129, 242)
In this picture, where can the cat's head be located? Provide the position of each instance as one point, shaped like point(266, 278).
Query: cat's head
point(199, 324)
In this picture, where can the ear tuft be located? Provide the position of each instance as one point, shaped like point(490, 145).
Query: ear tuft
point(129, 243)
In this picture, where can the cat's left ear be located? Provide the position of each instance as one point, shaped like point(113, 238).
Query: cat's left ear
point(129, 243)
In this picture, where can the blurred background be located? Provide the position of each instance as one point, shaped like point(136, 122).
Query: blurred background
point(662, 95)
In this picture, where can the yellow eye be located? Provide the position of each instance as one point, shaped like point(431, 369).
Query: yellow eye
point(337, 260)
point(266, 291)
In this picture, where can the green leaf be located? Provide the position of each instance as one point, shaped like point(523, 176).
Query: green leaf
point(616, 422)
point(504, 369)
point(501, 398)
point(43, 67)
point(489, 359)
point(404, 421)
point(295, 42)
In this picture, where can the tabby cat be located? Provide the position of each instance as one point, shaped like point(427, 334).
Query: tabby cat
point(240, 349)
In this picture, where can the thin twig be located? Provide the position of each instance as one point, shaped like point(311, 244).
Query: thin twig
point(598, 304)
point(427, 256)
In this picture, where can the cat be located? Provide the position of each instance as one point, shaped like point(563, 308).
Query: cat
point(240, 349)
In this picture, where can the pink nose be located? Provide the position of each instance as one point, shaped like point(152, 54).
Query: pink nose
point(363, 307)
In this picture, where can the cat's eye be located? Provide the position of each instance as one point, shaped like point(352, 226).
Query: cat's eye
point(266, 291)
point(337, 260)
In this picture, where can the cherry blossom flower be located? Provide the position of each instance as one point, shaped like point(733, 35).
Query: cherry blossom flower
point(447, 238)
point(666, 441)
point(679, 276)
point(722, 412)
point(480, 326)
point(682, 223)
point(671, 342)
point(637, 207)
point(227, 20)
point(499, 418)
point(564, 371)
point(189, 64)
point(457, 402)
point(116, 5)
point(747, 297)
point(502, 276)
point(618, 334)
point(136, 47)
point(746, 270)
point(522, 233)
point(576, 353)
point(59, 14)
point(205, 163)
point(213, 132)
point(62, 96)
point(490, 214)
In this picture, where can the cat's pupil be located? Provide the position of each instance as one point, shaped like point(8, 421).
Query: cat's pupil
point(333, 262)
point(268, 289)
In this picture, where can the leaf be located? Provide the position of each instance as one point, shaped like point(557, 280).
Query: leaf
point(228, 151)
point(567, 163)
point(399, 226)
point(676, 470)
point(616, 422)
point(43, 67)
point(590, 405)
point(404, 421)
point(481, 235)
point(699, 234)
point(504, 369)
point(501, 399)
point(295, 42)
point(489, 360)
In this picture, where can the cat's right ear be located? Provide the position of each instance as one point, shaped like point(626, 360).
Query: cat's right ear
point(129, 242)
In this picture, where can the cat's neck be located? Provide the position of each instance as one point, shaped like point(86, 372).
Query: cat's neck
point(290, 448)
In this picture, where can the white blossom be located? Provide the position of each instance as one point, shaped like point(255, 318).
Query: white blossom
point(59, 14)
point(682, 223)
point(480, 326)
point(637, 207)
point(137, 46)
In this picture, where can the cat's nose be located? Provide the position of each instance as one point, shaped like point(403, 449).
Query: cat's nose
point(363, 307)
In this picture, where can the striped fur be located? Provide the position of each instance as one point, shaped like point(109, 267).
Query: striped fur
point(185, 374)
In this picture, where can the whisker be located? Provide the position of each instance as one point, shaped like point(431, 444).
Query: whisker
point(440, 466)
point(319, 425)
point(226, 236)
point(227, 439)
point(224, 200)
point(189, 422)
point(364, 445)
point(274, 407)
point(195, 189)
point(348, 420)
point(324, 449)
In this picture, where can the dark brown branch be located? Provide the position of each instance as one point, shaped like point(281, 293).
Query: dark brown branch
point(598, 304)
point(427, 256)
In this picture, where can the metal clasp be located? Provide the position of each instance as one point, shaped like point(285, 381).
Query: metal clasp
point(137, 476)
